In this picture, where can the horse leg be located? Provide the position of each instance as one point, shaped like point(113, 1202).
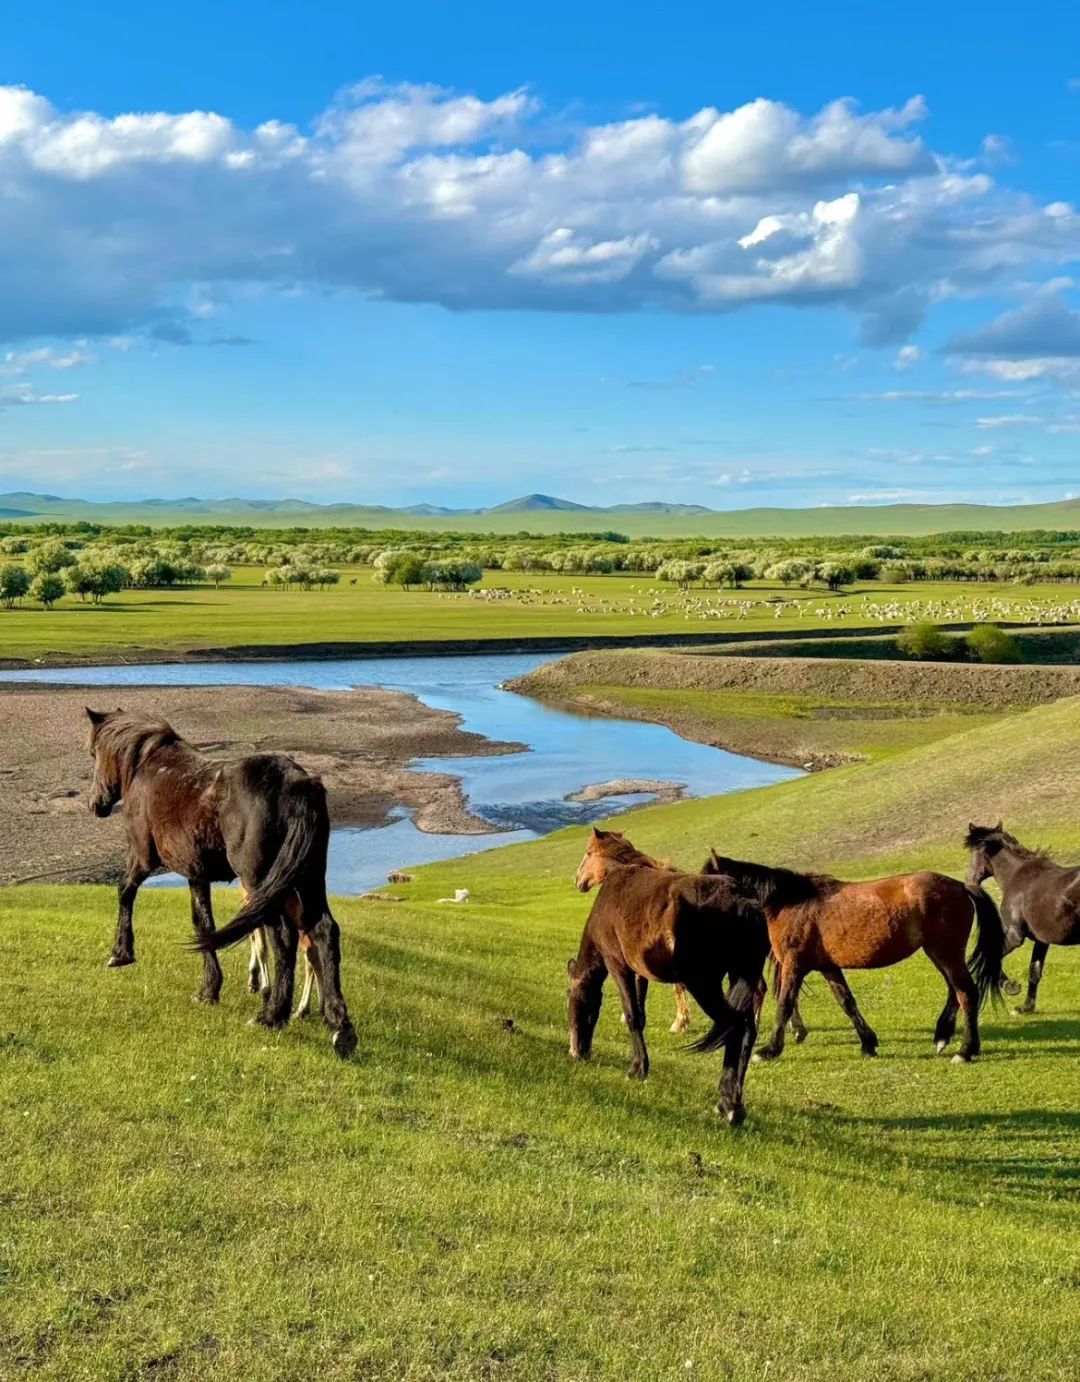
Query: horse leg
point(798, 1026)
point(737, 1051)
point(682, 1011)
point(791, 977)
point(277, 1003)
point(946, 1023)
point(324, 960)
point(303, 1008)
point(966, 997)
point(626, 981)
point(202, 918)
point(259, 963)
point(1038, 955)
point(123, 951)
point(844, 996)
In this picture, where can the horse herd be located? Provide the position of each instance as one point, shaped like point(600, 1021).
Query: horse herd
point(264, 821)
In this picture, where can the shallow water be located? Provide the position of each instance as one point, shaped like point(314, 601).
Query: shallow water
point(522, 794)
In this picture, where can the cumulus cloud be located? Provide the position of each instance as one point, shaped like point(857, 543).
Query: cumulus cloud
point(415, 193)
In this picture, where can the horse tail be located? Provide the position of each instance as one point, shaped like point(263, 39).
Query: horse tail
point(739, 1001)
point(306, 830)
point(986, 959)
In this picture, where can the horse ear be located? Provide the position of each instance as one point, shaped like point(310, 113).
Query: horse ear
point(599, 834)
point(96, 717)
point(571, 967)
point(1000, 826)
point(714, 856)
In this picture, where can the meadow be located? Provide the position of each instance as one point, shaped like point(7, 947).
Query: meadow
point(507, 605)
point(187, 1197)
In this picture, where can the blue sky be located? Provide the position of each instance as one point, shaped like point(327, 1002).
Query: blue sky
point(457, 253)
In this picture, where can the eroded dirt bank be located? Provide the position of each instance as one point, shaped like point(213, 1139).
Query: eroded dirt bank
point(359, 741)
point(807, 712)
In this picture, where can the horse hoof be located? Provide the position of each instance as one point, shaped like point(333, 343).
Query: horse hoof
point(735, 1117)
point(869, 1052)
point(800, 1037)
point(1022, 1011)
point(635, 1073)
point(212, 999)
point(344, 1042)
point(759, 1057)
point(119, 961)
point(678, 1028)
point(1010, 986)
point(940, 1048)
point(300, 1015)
point(959, 1059)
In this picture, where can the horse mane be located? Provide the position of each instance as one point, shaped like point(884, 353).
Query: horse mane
point(123, 741)
point(995, 838)
point(781, 887)
point(618, 848)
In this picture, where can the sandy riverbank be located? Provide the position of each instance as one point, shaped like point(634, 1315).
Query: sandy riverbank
point(360, 742)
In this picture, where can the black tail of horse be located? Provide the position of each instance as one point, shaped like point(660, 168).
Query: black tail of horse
point(986, 959)
point(739, 1000)
point(302, 853)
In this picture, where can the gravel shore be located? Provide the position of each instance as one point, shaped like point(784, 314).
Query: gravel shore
point(360, 742)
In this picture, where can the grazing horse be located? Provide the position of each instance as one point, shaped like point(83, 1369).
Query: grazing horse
point(821, 923)
point(612, 847)
point(656, 924)
point(1039, 898)
point(261, 819)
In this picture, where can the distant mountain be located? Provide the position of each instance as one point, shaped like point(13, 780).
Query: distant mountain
point(538, 503)
point(544, 513)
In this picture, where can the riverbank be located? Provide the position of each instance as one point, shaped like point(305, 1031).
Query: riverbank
point(360, 742)
point(807, 712)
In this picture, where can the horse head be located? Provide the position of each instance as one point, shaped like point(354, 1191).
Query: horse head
point(601, 852)
point(984, 841)
point(106, 786)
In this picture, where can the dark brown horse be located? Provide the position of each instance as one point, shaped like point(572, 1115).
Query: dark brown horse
point(821, 923)
point(656, 924)
point(261, 819)
point(612, 847)
point(1039, 898)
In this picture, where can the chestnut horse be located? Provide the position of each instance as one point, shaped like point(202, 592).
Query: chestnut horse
point(656, 924)
point(261, 819)
point(821, 923)
point(612, 846)
point(1039, 898)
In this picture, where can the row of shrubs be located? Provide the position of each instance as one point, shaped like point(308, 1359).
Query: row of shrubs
point(984, 643)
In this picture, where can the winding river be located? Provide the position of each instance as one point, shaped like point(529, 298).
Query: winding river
point(523, 795)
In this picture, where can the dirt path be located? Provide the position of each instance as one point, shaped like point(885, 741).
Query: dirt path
point(359, 741)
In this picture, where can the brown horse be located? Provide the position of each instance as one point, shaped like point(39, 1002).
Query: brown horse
point(821, 923)
point(261, 819)
point(619, 849)
point(1039, 898)
point(656, 924)
point(612, 847)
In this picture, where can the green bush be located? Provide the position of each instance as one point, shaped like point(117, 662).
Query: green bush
point(14, 583)
point(988, 643)
point(926, 642)
point(48, 587)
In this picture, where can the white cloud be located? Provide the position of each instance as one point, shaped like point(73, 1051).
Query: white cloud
point(24, 396)
point(413, 193)
point(907, 356)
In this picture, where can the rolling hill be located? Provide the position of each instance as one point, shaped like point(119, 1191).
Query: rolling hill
point(542, 513)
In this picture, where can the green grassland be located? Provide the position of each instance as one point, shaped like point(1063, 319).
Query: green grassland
point(186, 1197)
point(538, 605)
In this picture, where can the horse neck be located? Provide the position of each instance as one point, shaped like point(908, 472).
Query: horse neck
point(757, 879)
point(1008, 859)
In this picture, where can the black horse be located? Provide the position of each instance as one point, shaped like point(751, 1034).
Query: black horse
point(1039, 898)
point(261, 819)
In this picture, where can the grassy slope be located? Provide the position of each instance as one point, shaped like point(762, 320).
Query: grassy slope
point(877, 520)
point(244, 613)
point(189, 1197)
